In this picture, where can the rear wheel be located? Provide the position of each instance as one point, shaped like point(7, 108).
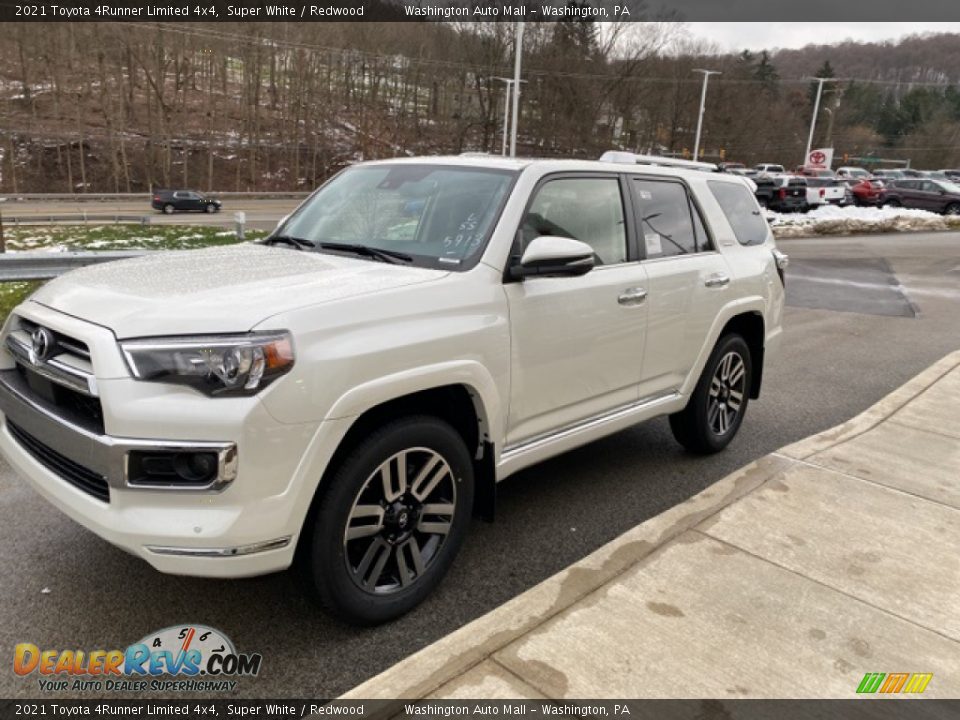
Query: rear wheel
point(390, 521)
point(168, 209)
point(892, 203)
point(719, 401)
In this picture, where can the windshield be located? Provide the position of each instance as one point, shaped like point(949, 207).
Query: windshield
point(438, 215)
point(950, 187)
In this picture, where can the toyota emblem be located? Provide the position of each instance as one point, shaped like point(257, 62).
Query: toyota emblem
point(42, 343)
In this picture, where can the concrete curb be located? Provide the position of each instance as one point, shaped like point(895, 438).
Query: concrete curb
point(429, 669)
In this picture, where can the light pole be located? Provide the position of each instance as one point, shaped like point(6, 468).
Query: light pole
point(816, 109)
point(508, 84)
point(703, 103)
point(3, 242)
point(517, 55)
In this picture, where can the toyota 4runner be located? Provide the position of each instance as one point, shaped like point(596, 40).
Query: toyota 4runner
point(344, 395)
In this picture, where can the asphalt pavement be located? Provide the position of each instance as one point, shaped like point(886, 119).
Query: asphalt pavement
point(65, 588)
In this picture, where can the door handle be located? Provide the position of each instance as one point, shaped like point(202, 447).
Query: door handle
point(632, 296)
point(718, 280)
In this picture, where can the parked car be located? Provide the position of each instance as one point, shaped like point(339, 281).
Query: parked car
point(954, 175)
point(852, 172)
point(828, 191)
point(867, 192)
point(345, 394)
point(171, 201)
point(933, 195)
point(782, 193)
point(731, 166)
point(936, 175)
point(815, 172)
point(911, 173)
point(769, 169)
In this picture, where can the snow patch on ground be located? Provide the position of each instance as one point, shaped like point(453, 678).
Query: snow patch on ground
point(833, 220)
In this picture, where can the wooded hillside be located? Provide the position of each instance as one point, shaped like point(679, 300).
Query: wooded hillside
point(120, 107)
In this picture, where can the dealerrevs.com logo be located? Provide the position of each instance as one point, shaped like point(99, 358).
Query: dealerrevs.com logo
point(200, 657)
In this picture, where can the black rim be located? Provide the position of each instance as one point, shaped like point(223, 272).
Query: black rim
point(727, 388)
point(399, 521)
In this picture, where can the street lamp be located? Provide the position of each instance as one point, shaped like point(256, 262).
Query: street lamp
point(3, 242)
point(703, 102)
point(517, 55)
point(508, 83)
point(816, 109)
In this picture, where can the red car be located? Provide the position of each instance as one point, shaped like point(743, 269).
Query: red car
point(867, 191)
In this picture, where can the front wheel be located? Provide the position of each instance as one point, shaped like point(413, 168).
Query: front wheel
point(719, 401)
point(952, 209)
point(389, 522)
point(211, 209)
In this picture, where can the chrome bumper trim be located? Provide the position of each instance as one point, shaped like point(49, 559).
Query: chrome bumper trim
point(104, 454)
point(276, 544)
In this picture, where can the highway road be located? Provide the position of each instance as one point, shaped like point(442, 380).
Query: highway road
point(262, 214)
point(865, 314)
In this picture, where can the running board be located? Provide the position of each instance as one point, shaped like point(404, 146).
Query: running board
point(528, 452)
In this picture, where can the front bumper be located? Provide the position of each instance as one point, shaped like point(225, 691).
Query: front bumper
point(244, 524)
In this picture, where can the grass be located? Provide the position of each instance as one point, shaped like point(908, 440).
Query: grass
point(61, 238)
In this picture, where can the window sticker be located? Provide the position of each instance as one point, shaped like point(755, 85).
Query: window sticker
point(652, 242)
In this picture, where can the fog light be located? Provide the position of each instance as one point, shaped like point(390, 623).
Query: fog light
point(166, 468)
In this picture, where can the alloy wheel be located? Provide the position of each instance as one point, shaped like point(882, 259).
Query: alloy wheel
point(727, 388)
point(399, 520)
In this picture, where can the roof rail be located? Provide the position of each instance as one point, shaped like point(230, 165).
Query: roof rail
point(629, 158)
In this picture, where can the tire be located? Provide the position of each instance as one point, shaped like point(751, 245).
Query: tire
point(360, 579)
point(952, 209)
point(211, 209)
point(699, 427)
point(168, 209)
point(892, 203)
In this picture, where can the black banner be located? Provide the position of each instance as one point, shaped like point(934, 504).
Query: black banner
point(479, 10)
point(856, 709)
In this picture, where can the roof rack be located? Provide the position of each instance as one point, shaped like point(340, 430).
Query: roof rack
point(629, 158)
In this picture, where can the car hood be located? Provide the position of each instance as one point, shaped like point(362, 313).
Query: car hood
point(216, 290)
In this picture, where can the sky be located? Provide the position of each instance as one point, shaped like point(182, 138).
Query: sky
point(757, 36)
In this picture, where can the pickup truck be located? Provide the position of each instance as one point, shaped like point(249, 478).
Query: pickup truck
point(344, 395)
point(827, 191)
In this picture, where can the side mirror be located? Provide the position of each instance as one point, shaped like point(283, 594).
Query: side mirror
point(552, 255)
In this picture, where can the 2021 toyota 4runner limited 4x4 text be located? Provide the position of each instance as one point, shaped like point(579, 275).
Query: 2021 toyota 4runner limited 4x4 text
point(345, 394)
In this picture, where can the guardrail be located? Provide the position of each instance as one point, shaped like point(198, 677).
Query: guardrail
point(40, 265)
point(76, 219)
point(146, 196)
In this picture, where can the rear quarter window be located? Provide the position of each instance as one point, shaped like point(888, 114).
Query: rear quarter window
point(740, 207)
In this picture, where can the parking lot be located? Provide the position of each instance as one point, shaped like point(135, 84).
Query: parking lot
point(865, 314)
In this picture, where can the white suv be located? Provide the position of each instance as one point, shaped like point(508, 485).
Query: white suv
point(345, 394)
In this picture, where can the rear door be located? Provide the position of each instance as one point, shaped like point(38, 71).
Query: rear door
point(689, 281)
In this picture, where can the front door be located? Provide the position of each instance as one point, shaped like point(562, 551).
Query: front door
point(576, 342)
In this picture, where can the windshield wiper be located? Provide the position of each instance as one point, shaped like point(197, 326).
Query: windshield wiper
point(299, 243)
point(390, 256)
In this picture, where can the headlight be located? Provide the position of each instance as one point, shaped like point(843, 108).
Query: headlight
point(217, 365)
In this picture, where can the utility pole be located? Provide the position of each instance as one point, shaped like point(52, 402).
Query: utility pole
point(3, 242)
point(816, 109)
point(517, 59)
point(703, 104)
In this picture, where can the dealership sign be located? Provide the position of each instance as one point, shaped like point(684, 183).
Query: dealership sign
point(820, 159)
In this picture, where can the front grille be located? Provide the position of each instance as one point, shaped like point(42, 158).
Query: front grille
point(74, 473)
point(64, 343)
point(67, 403)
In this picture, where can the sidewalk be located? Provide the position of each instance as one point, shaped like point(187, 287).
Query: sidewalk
point(836, 556)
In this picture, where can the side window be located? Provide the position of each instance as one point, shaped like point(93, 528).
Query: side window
point(585, 209)
point(740, 207)
point(665, 222)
